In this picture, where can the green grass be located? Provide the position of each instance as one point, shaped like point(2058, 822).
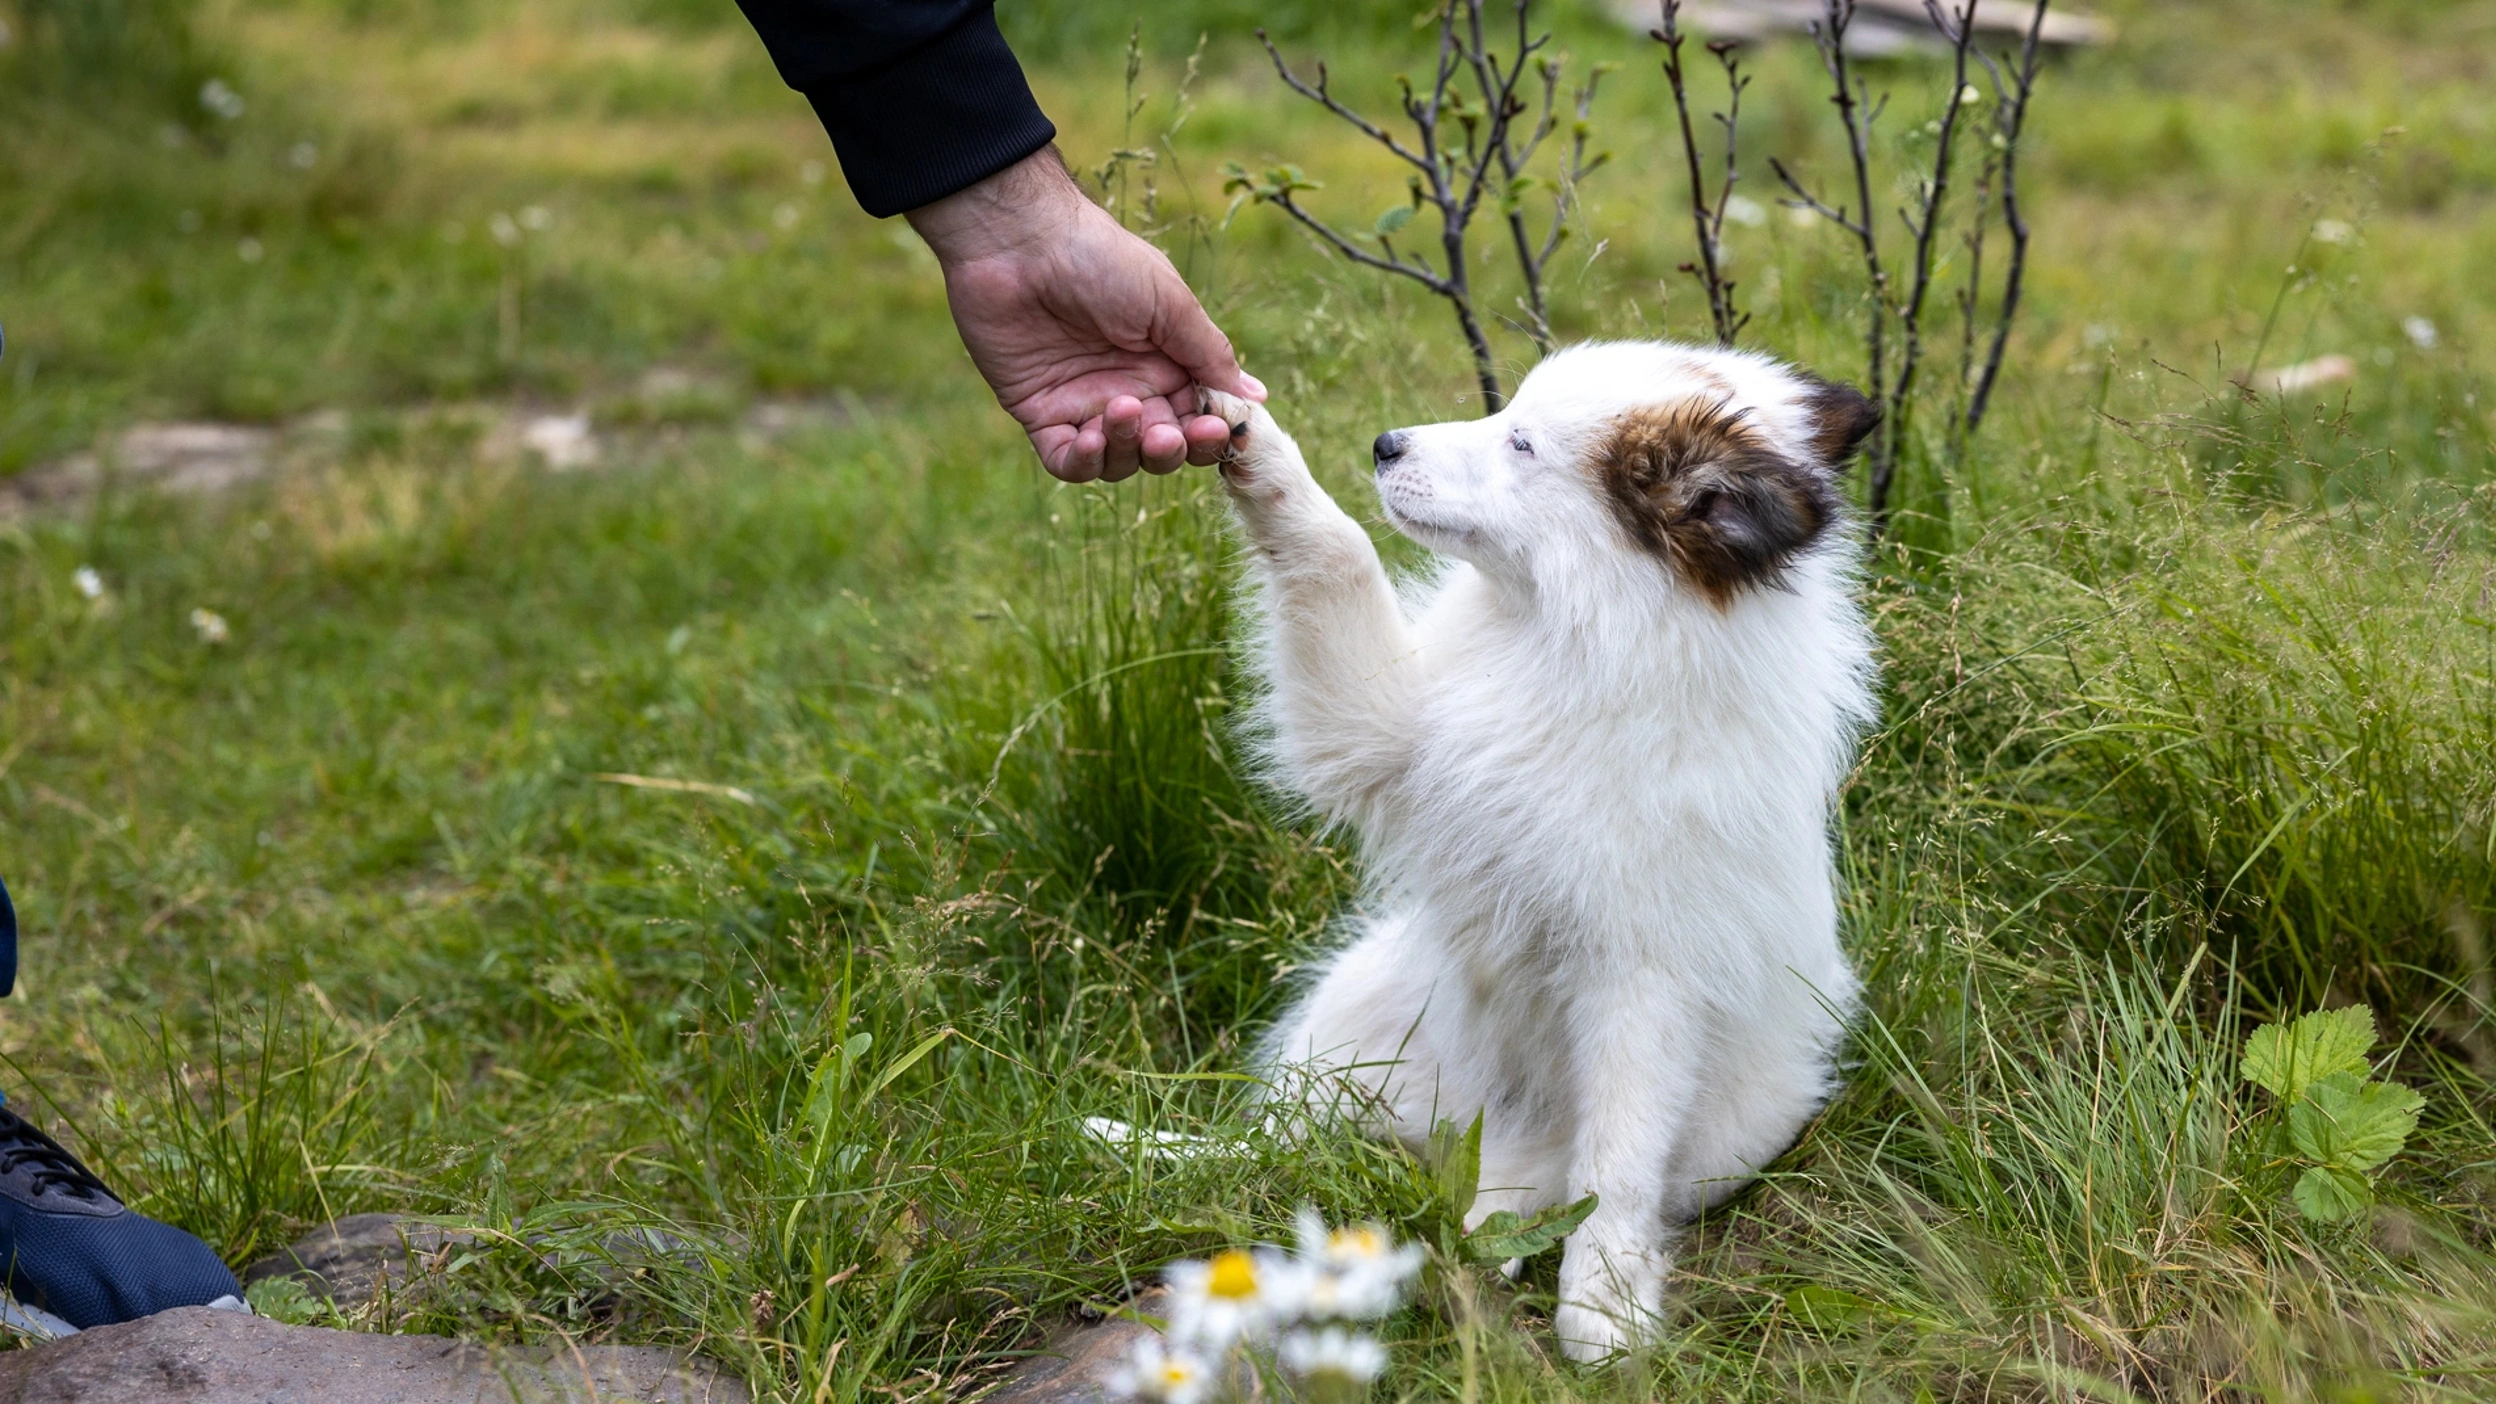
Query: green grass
point(2190, 713)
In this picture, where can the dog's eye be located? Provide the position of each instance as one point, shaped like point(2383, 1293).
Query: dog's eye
point(1517, 442)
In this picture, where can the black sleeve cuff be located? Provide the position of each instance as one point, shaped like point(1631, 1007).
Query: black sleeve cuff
point(946, 115)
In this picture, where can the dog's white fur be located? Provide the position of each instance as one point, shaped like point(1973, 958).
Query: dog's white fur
point(1594, 805)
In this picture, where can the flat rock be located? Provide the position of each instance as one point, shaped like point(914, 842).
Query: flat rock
point(350, 1262)
point(199, 1355)
point(1078, 1364)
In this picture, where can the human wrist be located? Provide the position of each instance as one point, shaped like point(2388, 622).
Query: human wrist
point(1024, 205)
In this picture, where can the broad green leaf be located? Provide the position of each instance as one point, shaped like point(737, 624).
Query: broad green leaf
point(2351, 1124)
point(906, 1061)
point(2330, 1196)
point(1829, 1309)
point(2285, 1059)
point(1505, 1235)
point(1456, 1162)
point(1393, 220)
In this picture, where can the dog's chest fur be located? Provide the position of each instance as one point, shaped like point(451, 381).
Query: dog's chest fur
point(1637, 792)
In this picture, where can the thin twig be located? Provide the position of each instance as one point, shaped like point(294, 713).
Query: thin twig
point(2012, 117)
point(1318, 94)
point(1925, 223)
point(1857, 118)
point(1731, 120)
point(1453, 170)
point(1418, 272)
point(1707, 222)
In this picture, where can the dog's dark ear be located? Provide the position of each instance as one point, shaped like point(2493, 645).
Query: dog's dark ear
point(1703, 492)
point(1842, 417)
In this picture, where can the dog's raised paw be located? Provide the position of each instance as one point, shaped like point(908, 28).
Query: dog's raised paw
point(1229, 408)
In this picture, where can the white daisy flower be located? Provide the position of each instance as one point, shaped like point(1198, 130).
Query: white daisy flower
point(210, 626)
point(89, 582)
point(1333, 1354)
point(1163, 1373)
point(1355, 1273)
point(1235, 1293)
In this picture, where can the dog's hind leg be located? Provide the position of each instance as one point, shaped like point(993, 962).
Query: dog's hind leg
point(1336, 653)
point(1360, 1044)
point(1763, 1090)
point(1388, 1038)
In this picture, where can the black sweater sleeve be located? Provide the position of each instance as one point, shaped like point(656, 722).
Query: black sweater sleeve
point(922, 97)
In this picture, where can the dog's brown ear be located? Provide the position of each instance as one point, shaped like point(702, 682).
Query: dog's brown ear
point(1842, 417)
point(1704, 492)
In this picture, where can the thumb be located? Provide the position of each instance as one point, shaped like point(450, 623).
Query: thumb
point(1187, 336)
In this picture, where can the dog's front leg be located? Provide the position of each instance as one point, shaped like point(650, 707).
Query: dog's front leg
point(1635, 1061)
point(1337, 654)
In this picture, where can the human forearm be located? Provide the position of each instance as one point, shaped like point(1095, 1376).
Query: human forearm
point(921, 97)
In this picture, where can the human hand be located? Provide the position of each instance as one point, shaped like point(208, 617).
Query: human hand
point(1087, 334)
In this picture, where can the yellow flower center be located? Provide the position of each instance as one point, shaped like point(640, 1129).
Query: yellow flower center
point(1234, 1276)
point(1357, 1242)
point(1176, 1372)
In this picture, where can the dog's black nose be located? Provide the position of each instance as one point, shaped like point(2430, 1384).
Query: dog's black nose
point(1389, 447)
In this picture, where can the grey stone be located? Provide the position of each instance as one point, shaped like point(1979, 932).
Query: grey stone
point(349, 1262)
point(177, 458)
point(1077, 1366)
point(199, 1355)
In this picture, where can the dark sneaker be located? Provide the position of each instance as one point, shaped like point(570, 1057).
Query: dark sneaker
point(75, 1252)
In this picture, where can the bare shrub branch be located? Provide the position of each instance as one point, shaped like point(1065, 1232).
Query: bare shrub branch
point(1894, 328)
point(2010, 118)
point(1707, 217)
point(1924, 222)
point(1466, 145)
point(1857, 114)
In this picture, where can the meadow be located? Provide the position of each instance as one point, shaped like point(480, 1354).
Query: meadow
point(2190, 700)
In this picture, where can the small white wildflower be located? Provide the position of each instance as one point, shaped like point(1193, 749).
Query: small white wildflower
point(1356, 1273)
point(1234, 1294)
point(1163, 1373)
point(303, 156)
point(2420, 331)
point(504, 231)
point(537, 219)
point(1801, 216)
point(249, 250)
point(2333, 231)
point(1969, 94)
point(1745, 211)
point(786, 216)
point(811, 172)
point(1334, 1353)
point(219, 97)
point(210, 626)
point(88, 581)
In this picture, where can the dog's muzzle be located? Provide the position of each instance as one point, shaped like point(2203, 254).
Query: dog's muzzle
point(1389, 446)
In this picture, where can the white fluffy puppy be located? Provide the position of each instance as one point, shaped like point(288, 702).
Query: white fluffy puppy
point(1590, 762)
